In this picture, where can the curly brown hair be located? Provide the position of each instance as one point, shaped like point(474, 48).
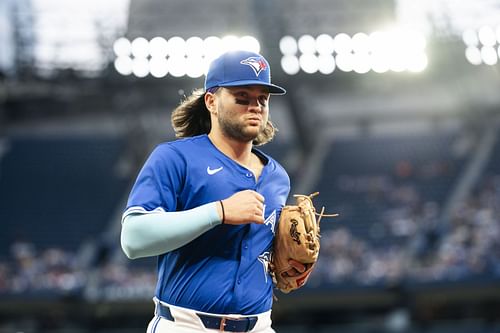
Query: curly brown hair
point(191, 117)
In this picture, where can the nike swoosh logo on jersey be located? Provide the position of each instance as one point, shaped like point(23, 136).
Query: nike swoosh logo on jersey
point(213, 171)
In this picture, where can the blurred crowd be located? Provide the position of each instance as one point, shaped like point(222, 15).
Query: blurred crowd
point(414, 243)
point(31, 271)
point(55, 271)
point(420, 245)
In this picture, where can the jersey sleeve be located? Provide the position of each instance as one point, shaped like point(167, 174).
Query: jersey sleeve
point(158, 183)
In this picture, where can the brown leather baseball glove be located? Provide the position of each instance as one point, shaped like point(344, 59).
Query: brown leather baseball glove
point(296, 239)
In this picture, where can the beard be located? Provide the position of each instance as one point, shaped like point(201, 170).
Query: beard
point(236, 130)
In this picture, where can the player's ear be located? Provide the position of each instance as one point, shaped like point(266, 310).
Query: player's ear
point(210, 102)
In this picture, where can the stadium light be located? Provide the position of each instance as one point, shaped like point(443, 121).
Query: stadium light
point(417, 62)
point(194, 47)
point(378, 42)
point(481, 45)
point(249, 43)
point(380, 51)
point(212, 46)
point(177, 46)
point(345, 61)
point(342, 43)
point(489, 55)
point(158, 67)
point(195, 66)
point(487, 36)
point(397, 62)
point(177, 65)
point(123, 65)
point(158, 47)
point(307, 44)
point(176, 57)
point(140, 47)
point(309, 63)
point(290, 64)
point(326, 63)
point(230, 43)
point(288, 45)
point(361, 63)
point(140, 67)
point(470, 38)
point(473, 55)
point(324, 44)
point(379, 63)
point(122, 47)
point(360, 43)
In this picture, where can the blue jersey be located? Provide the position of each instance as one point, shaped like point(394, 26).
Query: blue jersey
point(225, 269)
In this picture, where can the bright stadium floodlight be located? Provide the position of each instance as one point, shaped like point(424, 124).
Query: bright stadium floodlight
point(176, 46)
point(378, 42)
point(249, 43)
point(489, 55)
point(307, 44)
point(345, 61)
point(379, 63)
point(342, 43)
point(122, 47)
point(309, 63)
point(361, 63)
point(230, 43)
point(324, 44)
point(470, 38)
point(397, 61)
point(212, 46)
point(140, 67)
point(194, 47)
point(140, 47)
point(398, 50)
point(326, 63)
point(360, 43)
point(417, 62)
point(158, 67)
point(473, 55)
point(123, 65)
point(175, 56)
point(195, 66)
point(205, 63)
point(487, 36)
point(288, 45)
point(158, 47)
point(177, 65)
point(290, 64)
point(416, 40)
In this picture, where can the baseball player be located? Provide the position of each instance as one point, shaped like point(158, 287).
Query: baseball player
point(207, 205)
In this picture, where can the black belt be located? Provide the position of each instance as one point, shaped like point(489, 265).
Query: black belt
point(220, 323)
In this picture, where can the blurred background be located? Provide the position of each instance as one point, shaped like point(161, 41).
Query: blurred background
point(392, 114)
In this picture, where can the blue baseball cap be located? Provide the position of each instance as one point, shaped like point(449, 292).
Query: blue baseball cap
point(241, 68)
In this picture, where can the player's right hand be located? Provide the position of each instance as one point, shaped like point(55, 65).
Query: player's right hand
point(243, 207)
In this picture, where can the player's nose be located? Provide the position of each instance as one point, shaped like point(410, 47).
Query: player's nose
point(255, 105)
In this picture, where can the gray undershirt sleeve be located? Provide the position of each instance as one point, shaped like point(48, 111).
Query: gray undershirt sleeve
point(155, 233)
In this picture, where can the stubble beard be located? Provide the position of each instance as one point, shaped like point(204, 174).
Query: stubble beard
point(236, 130)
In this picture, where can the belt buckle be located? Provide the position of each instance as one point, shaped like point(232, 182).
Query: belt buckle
point(222, 326)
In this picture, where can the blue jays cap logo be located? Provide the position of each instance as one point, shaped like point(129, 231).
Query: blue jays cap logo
point(227, 71)
point(258, 64)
